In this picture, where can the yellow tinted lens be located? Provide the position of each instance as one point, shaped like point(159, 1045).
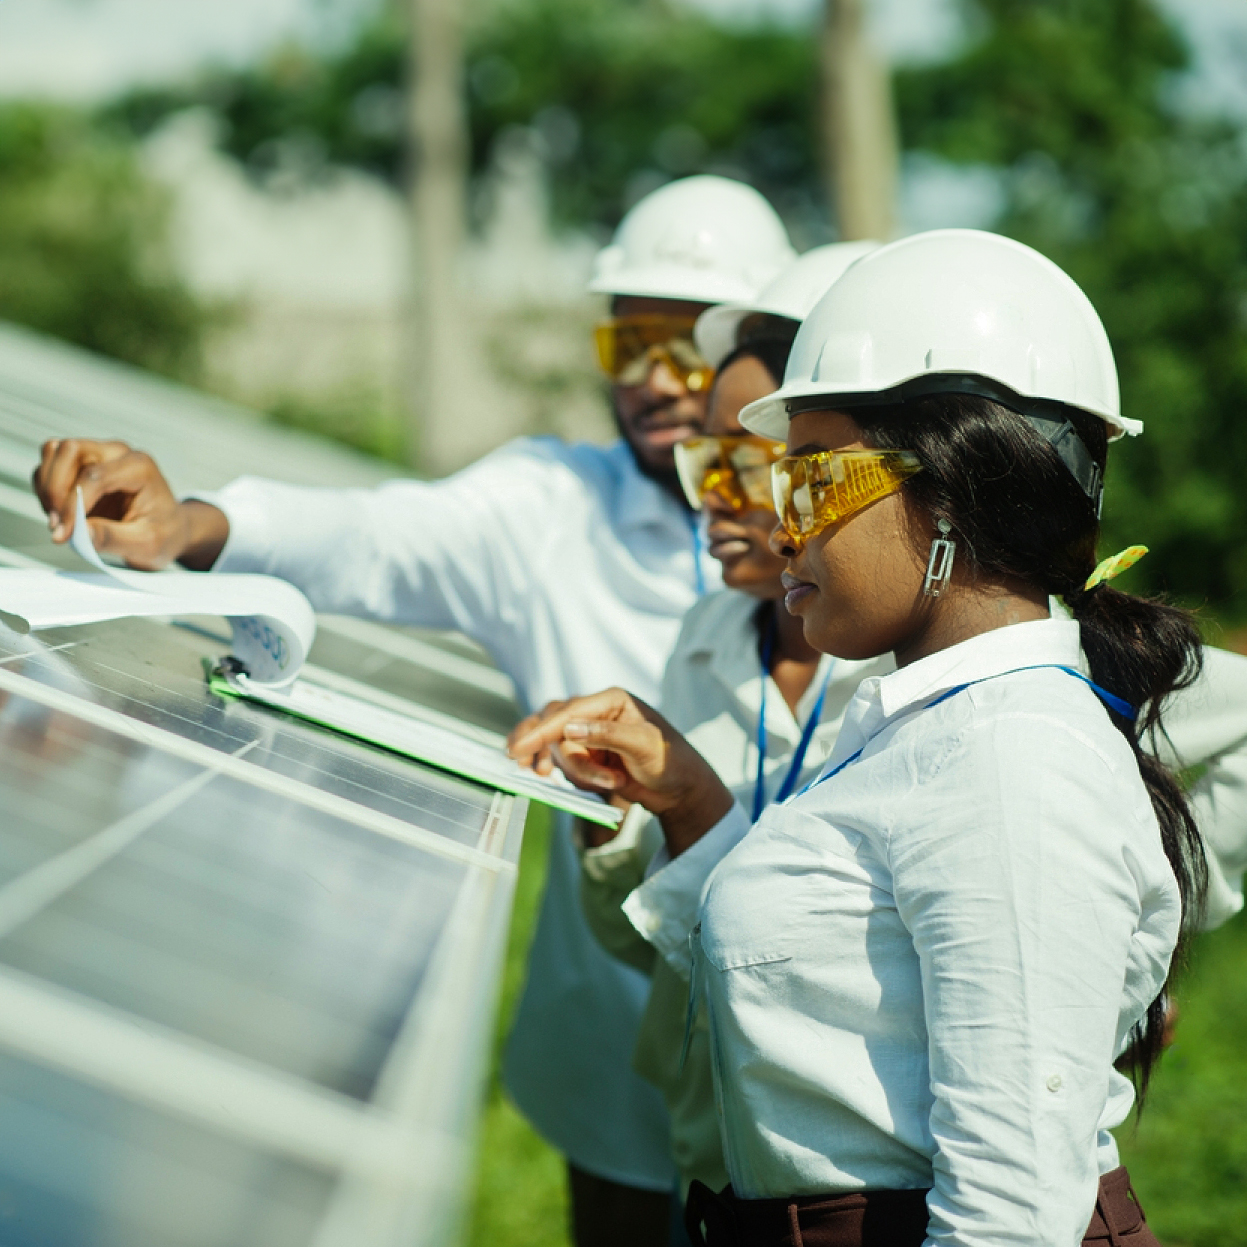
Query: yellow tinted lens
point(604, 340)
point(629, 346)
point(751, 458)
point(686, 362)
point(813, 492)
point(737, 468)
point(692, 460)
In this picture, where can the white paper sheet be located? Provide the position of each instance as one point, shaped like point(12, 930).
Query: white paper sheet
point(273, 622)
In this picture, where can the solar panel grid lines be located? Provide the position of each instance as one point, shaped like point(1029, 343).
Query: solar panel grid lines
point(11, 558)
point(420, 651)
point(493, 834)
point(445, 662)
point(50, 649)
point(17, 460)
point(208, 898)
point(160, 739)
point(21, 502)
point(26, 895)
point(48, 389)
point(443, 1161)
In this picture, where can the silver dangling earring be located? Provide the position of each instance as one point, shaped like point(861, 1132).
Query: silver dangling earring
point(940, 564)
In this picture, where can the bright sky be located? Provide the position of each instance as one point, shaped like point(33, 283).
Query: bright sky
point(87, 49)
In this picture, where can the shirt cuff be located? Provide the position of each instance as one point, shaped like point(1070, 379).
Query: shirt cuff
point(664, 908)
point(626, 851)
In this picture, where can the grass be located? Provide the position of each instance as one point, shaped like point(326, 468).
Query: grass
point(1187, 1154)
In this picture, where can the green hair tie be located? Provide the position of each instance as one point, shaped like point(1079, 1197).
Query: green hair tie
point(1114, 565)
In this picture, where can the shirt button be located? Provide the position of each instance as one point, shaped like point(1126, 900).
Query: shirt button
point(1054, 1082)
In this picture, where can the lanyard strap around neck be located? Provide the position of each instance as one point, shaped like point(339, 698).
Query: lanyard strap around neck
point(1114, 703)
point(807, 732)
point(699, 572)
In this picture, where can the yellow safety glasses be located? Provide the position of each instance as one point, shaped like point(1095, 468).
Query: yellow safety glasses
point(738, 469)
point(813, 492)
point(629, 346)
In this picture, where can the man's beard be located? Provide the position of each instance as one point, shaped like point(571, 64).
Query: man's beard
point(666, 476)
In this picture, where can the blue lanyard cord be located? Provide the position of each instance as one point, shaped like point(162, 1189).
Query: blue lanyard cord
point(807, 733)
point(699, 574)
point(1116, 704)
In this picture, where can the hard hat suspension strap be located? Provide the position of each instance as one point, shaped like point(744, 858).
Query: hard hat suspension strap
point(1072, 451)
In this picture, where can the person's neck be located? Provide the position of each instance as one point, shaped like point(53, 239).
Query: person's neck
point(970, 613)
point(794, 660)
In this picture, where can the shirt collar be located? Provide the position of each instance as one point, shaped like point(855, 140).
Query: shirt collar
point(1043, 642)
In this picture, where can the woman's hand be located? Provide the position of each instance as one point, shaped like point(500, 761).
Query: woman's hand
point(133, 512)
point(615, 745)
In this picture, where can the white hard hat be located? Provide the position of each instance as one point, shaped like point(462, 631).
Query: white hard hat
point(791, 295)
point(705, 239)
point(950, 311)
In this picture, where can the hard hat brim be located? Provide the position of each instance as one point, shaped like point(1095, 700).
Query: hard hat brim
point(769, 416)
point(715, 334)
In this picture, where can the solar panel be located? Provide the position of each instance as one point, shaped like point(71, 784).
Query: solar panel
point(247, 966)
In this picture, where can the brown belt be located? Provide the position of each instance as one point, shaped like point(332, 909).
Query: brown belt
point(875, 1218)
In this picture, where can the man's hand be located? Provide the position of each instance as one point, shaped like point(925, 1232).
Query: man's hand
point(132, 511)
point(614, 744)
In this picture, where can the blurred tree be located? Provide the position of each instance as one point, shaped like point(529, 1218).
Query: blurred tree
point(1147, 208)
point(623, 94)
point(441, 351)
point(860, 124)
point(80, 254)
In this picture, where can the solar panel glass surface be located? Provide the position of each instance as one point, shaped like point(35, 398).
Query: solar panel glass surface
point(247, 966)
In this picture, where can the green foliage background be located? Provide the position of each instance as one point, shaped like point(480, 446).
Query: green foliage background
point(623, 94)
point(1147, 209)
point(81, 233)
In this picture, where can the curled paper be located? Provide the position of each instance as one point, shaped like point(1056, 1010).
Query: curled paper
point(273, 623)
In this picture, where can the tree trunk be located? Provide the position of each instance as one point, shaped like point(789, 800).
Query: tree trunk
point(439, 165)
point(859, 124)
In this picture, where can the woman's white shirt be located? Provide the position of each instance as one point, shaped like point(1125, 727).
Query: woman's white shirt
point(713, 692)
point(919, 972)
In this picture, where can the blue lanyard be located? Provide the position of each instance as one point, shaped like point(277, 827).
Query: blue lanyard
point(1116, 704)
point(699, 575)
point(807, 733)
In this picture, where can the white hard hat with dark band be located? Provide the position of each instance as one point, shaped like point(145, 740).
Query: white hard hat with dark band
point(956, 312)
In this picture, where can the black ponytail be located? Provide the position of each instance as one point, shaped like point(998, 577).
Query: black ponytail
point(1018, 513)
